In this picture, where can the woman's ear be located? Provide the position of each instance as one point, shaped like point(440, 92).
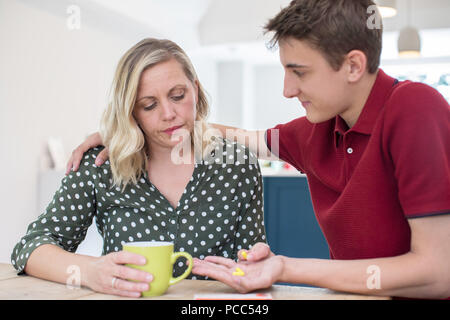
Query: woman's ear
point(356, 61)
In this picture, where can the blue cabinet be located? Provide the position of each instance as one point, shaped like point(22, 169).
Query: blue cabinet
point(291, 225)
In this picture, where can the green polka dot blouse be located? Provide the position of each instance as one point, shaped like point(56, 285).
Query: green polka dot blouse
point(219, 213)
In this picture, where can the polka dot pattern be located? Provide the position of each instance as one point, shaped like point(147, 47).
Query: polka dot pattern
point(219, 213)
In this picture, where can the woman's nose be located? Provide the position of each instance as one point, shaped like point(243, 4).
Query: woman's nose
point(168, 111)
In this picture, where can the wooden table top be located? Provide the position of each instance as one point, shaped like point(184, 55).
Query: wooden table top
point(17, 287)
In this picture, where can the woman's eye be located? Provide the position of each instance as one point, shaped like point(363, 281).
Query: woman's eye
point(150, 107)
point(178, 98)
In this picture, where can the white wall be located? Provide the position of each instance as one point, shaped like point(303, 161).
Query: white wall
point(206, 68)
point(250, 95)
point(53, 82)
point(230, 93)
point(271, 107)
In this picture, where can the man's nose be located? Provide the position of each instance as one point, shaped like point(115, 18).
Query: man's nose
point(290, 89)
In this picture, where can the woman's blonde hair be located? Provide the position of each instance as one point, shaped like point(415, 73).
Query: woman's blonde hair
point(119, 130)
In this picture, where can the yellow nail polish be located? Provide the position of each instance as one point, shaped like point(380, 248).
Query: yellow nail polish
point(244, 255)
point(238, 272)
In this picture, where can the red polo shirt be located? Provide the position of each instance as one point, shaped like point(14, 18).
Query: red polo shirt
point(365, 182)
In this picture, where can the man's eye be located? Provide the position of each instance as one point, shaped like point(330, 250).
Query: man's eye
point(298, 73)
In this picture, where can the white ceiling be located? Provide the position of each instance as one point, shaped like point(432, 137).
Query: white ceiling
point(235, 24)
point(206, 22)
point(237, 20)
point(159, 12)
point(173, 19)
point(422, 14)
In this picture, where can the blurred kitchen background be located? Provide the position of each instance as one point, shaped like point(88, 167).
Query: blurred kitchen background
point(57, 59)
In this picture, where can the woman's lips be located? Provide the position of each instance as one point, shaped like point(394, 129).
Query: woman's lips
point(170, 131)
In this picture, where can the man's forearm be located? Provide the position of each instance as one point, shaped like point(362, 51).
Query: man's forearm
point(253, 140)
point(402, 276)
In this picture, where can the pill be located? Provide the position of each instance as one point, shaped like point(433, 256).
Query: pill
point(238, 272)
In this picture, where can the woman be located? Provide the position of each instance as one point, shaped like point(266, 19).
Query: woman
point(154, 187)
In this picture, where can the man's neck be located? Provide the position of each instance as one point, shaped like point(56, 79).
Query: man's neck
point(361, 93)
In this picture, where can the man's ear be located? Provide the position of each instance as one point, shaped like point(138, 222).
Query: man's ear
point(356, 64)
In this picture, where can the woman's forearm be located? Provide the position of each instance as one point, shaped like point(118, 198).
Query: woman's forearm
point(381, 277)
point(53, 263)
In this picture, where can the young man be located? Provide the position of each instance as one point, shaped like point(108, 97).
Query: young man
point(376, 153)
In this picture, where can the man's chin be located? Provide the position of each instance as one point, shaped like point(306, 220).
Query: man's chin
point(316, 118)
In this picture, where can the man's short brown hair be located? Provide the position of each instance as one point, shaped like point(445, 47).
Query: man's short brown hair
point(334, 27)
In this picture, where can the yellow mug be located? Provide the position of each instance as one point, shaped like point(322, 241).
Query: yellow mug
point(160, 260)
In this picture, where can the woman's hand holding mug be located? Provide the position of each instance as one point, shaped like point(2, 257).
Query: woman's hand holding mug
point(108, 274)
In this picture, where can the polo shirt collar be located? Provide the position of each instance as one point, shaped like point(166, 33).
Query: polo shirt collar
point(378, 96)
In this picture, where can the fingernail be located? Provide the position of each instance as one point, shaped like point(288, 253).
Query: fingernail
point(143, 287)
point(149, 278)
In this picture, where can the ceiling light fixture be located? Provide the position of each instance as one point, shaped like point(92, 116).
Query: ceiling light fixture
point(409, 43)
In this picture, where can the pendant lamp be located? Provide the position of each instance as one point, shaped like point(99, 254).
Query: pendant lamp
point(409, 43)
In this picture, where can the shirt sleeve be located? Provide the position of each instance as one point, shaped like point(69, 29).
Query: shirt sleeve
point(287, 140)
point(65, 220)
point(250, 227)
point(418, 139)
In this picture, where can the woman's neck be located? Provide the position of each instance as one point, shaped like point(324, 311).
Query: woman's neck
point(176, 156)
